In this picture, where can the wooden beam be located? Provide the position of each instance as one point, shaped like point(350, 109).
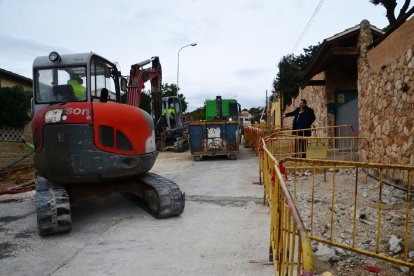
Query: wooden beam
point(346, 51)
point(315, 83)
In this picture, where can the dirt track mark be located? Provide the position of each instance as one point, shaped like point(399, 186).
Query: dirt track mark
point(223, 201)
point(6, 249)
point(8, 219)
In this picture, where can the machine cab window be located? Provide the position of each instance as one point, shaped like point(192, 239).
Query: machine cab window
point(103, 77)
point(64, 84)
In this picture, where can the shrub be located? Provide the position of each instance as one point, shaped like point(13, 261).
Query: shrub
point(14, 106)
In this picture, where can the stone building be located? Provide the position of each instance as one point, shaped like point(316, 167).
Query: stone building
point(332, 80)
point(355, 80)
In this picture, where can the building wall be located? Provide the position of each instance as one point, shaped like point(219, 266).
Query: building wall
point(386, 95)
point(6, 81)
point(275, 114)
point(316, 97)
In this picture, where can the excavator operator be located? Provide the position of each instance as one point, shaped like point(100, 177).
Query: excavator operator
point(78, 89)
point(171, 115)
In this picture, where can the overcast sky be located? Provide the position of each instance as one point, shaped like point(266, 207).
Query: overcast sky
point(240, 42)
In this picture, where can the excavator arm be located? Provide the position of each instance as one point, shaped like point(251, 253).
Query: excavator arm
point(156, 89)
point(137, 78)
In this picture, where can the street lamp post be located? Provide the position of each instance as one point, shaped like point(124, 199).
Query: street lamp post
point(178, 61)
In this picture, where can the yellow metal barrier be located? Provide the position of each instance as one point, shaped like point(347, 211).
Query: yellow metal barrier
point(325, 131)
point(346, 148)
point(366, 203)
point(249, 133)
point(290, 247)
point(253, 134)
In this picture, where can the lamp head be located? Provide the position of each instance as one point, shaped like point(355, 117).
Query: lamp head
point(54, 57)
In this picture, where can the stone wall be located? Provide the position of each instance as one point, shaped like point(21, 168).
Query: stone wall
point(386, 95)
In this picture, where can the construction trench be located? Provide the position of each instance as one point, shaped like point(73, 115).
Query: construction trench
point(333, 209)
point(332, 213)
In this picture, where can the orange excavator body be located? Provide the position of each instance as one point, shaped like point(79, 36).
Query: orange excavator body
point(87, 140)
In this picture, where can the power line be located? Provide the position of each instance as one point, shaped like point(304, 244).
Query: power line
point(308, 25)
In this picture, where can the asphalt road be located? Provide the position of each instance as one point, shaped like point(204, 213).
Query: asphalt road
point(224, 229)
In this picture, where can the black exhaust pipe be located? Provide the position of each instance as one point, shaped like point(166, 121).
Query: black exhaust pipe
point(219, 107)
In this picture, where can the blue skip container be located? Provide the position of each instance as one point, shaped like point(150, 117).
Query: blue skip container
point(214, 138)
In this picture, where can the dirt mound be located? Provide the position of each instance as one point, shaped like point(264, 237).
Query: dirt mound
point(18, 179)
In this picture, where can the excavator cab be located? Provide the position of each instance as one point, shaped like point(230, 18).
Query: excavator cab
point(75, 78)
point(172, 113)
point(170, 130)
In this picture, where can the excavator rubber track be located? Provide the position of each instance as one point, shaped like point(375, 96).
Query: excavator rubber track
point(52, 208)
point(164, 198)
point(181, 145)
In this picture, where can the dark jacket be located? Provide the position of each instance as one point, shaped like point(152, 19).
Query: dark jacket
point(302, 120)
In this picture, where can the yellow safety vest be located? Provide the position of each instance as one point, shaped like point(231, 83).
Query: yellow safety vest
point(171, 112)
point(78, 89)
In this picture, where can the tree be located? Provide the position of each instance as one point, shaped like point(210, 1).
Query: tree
point(197, 114)
point(169, 90)
point(256, 113)
point(390, 6)
point(146, 101)
point(290, 75)
point(14, 107)
point(287, 80)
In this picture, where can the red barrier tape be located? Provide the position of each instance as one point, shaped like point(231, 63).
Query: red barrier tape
point(14, 191)
point(283, 170)
point(373, 269)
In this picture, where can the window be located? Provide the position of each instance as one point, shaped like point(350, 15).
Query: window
point(177, 106)
point(102, 77)
point(66, 84)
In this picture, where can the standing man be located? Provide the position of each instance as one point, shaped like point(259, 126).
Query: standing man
point(304, 117)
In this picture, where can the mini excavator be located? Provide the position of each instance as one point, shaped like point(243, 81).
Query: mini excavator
point(88, 143)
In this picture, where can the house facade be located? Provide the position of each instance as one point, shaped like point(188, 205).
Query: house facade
point(10, 79)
